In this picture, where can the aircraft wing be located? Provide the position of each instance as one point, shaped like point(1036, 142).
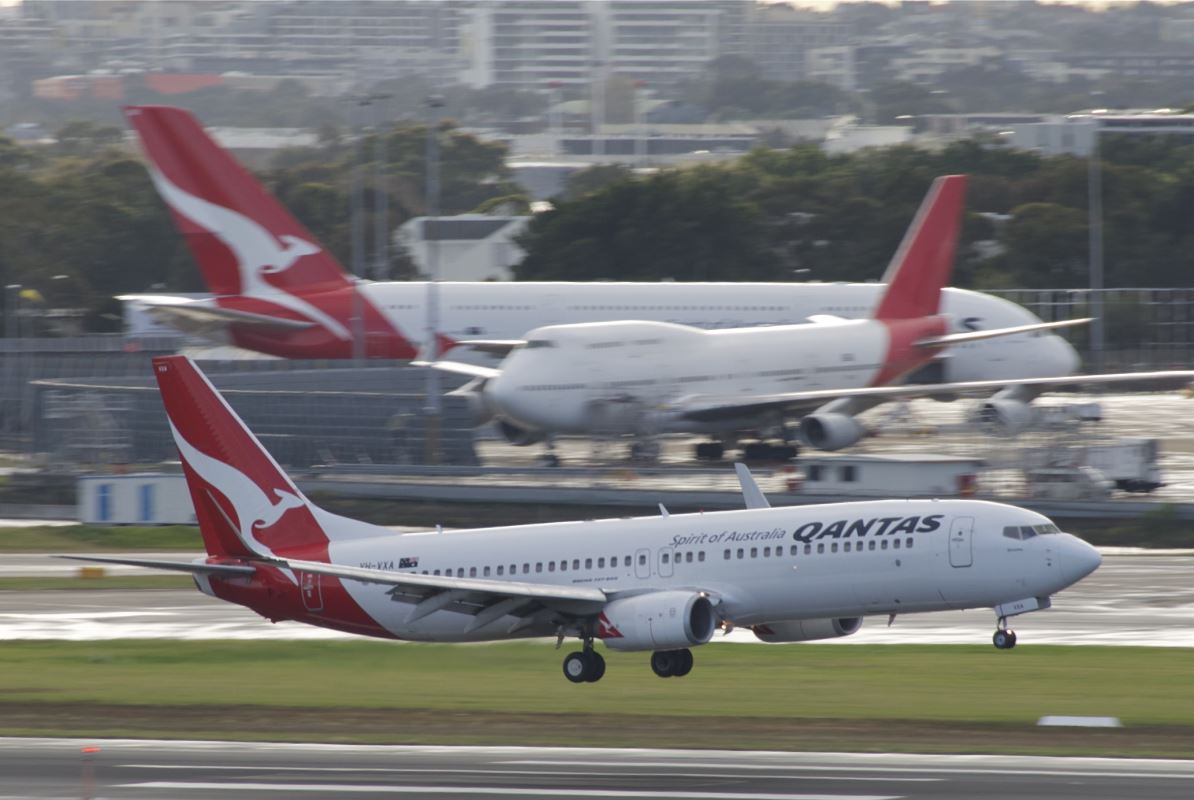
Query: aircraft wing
point(201, 317)
point(459, 368)
point(710, 408)
point(488, 600)
point(200, 567)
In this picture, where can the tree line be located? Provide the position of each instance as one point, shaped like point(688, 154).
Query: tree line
point(799, 213)
point(80, 221)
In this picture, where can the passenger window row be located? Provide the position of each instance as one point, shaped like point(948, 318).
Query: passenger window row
point(846, 547)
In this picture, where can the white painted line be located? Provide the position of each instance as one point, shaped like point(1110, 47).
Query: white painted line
point(1065, 773)
point(235, 788)
point(1062, 721)
point(685, 769)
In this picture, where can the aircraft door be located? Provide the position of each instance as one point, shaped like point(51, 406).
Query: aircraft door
point(642, 563)
point(312, 591)
point(960, 548)
point(666, 555)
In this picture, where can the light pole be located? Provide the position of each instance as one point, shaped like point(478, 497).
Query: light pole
point(431, 401)
point(357, 223)
point(1095, 226)
point(381, 231)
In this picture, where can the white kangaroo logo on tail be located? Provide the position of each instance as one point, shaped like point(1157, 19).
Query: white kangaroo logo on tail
point(254, 508)
point(257, 251)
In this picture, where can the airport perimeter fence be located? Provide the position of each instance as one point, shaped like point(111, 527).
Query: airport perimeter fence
point(1144, 328)
point(93, 401)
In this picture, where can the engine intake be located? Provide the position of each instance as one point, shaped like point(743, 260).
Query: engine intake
point(807, 630)
point(519, 437)
point(831, 431)
point(658, 621)
point(1009, 416)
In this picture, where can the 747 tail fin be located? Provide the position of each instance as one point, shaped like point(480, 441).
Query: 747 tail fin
point(924, 261)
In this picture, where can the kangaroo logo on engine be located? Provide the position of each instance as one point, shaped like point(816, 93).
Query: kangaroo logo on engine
point(875, 526)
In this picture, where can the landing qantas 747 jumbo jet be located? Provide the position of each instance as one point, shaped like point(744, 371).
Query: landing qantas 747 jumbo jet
point(661, 584)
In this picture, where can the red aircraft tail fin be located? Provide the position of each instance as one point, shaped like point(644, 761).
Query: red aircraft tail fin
point(243, 239)
point(245, 503)
point(924, 261)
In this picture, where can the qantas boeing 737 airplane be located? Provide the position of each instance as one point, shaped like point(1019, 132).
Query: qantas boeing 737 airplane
point(278, 291)
point(659, 584)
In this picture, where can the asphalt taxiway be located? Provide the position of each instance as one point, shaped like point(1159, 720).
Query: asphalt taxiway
point(151, 770)
point(1133, 599)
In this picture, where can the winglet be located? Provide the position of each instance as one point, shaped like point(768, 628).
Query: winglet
point(924, 261)
point(751, 493)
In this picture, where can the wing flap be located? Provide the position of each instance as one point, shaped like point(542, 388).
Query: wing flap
point(460, 368)
point(460, 587)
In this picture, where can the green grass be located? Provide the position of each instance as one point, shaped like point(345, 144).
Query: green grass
point(125, 582)
point(855, 696)
point(95, 538)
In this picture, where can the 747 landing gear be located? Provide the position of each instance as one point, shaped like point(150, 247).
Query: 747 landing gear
point(1004, 639)
point(671, 663)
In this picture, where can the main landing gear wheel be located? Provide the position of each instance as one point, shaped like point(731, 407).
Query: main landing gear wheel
point(584, 667)
point(710, 451)
point(1004, 639)
point(671, 663)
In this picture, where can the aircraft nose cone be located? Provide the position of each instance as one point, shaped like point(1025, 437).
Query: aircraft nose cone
point(1068, 362)
point(1079, 560)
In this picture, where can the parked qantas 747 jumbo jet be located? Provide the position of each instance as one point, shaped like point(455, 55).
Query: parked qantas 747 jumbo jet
point(278, 291)
point(655, 584)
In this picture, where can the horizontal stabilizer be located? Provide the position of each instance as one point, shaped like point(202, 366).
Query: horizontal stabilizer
point(199, 315)
point(497, 347)
point(459, 368)
point(975, 336)
point(200, 567)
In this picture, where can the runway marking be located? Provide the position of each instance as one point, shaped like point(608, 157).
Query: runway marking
point(687, 773)
point(484, 790)
point(1062, 773)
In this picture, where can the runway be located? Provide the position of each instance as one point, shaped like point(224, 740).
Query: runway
point(1133, 599)
point(152, 770)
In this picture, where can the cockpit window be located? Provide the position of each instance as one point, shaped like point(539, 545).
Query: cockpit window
point(1029, 531)
point(534, 343)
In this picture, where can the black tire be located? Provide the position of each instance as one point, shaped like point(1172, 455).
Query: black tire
point(596, 667)
point(663, 662)
point(684, 663)
point(710, 451)
point(576, 667)
point(1011, 639)
point(1002, 640)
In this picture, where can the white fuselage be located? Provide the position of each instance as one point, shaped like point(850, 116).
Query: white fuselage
point(629, 377)
point(509, 310)
point(758, 566)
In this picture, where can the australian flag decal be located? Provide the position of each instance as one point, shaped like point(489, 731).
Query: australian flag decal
point(405, 563)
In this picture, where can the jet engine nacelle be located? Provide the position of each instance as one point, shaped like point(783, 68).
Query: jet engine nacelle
point(807, 630)
point(657, 621)
point(831, 431)
point(473, 393)
point(519, 437)
point(1010, 416)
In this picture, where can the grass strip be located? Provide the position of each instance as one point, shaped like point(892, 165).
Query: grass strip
point(125, 582)
point(97, 539)
point(880, 697)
